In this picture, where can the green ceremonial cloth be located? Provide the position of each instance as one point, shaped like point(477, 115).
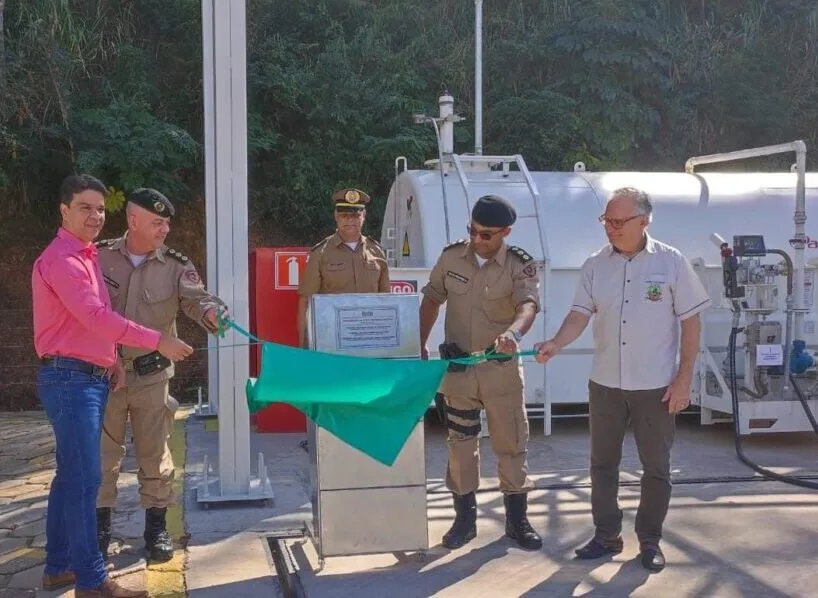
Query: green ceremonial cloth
point(371, 404)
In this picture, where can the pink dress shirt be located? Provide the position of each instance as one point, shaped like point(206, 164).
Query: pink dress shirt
point(73, 316)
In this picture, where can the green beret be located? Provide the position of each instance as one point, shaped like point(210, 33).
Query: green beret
point(153, 202)
point(493, 210)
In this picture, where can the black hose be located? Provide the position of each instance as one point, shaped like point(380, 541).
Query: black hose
point(803, 400)
point(736, 421)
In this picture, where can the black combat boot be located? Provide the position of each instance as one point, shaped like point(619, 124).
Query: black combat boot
point(464, 528)
point(517, 526)
point(158, 542)
point(104, 530)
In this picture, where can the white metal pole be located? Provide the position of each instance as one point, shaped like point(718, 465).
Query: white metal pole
point(446, 107)
point(211, 221)
point(478, 77)
point(239, 275)
point(231, 210)
point(225, 93)
point(224, 76)
point(800, 219)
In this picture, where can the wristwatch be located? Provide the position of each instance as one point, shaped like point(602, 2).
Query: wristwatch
point(517, 336)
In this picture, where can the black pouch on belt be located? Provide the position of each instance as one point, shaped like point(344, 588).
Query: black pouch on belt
point(145, 365)
point(452, 351)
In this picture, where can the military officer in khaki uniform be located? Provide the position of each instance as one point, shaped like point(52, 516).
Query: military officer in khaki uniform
point(344, 262)
point(148, 283)
point(492, 291)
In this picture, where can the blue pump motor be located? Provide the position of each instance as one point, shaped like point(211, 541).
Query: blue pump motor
point(800, 360)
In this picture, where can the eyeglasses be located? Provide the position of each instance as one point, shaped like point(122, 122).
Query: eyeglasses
point(617, 222)
point(486, 235)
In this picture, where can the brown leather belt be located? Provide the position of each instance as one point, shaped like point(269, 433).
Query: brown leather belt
point(77, 365)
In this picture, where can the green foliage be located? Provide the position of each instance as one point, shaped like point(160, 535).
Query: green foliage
point(115, 88)
point(124, 142)
point(114, 200)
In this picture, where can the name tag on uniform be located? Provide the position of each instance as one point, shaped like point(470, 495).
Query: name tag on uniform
point(457, 276)
point(110, 281)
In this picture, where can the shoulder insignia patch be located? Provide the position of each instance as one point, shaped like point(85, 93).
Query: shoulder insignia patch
point(319, 245)
point(455, 244)
point(178, 256)
point(105, 242)
point(522, 254)
point(374, 242)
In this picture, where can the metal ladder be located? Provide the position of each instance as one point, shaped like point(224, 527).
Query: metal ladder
point(506, 161)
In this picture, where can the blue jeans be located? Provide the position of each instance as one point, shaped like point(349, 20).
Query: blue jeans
point(75, 405)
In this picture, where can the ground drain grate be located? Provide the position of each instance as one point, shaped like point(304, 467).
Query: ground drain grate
point(285, 566)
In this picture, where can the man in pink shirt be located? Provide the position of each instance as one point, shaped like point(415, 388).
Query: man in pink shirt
point(76, 333)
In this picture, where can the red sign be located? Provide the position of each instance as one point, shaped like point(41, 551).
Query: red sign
point(403, 287)
point(289, 267)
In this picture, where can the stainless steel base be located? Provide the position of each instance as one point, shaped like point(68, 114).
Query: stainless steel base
point(361, 506)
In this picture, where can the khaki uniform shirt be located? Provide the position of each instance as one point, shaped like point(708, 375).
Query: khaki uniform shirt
point(332, 268)
point(151, 294)
point(637, 304)
point(482, 303)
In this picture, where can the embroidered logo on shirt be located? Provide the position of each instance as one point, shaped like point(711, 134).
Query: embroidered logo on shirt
point(654, 292)
point(110, 281)
point(457, 276)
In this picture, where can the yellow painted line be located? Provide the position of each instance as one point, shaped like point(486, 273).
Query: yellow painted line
point(212, 425)
point(32, 554)
point(168, 579)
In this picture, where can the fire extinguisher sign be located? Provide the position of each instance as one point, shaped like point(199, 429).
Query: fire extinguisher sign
point(289, 267)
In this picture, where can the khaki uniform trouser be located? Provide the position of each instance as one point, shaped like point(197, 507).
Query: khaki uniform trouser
point(508, 427)
point(151, 411)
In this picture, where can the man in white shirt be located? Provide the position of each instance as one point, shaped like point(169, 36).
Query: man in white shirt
point(641, 293)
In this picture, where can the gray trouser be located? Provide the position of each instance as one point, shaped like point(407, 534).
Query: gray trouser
point(611, 410)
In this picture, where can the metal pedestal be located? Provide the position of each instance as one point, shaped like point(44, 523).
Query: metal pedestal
point(361, 506)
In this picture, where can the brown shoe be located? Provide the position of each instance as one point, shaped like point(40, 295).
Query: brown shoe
point(66, 578)
point(110, 589)
point(53, 582)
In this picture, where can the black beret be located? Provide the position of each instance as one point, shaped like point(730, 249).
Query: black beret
point(152, 201)
point(492, 210)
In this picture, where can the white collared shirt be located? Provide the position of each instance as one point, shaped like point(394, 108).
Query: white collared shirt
point(637, 304)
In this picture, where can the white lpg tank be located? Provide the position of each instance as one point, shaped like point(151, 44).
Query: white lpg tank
point(558, 225)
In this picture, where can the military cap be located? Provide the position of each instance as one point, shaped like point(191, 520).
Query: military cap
point(152, 201)
point(350, 200)
point(493, 210)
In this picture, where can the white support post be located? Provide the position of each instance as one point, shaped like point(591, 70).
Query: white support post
point(225, 48)
point(211, 407)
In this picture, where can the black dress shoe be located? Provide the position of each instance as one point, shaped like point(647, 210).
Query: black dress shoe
point(598, 548)
point(652, 558)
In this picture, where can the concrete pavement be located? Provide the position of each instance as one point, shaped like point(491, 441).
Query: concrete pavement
point(728, 533)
